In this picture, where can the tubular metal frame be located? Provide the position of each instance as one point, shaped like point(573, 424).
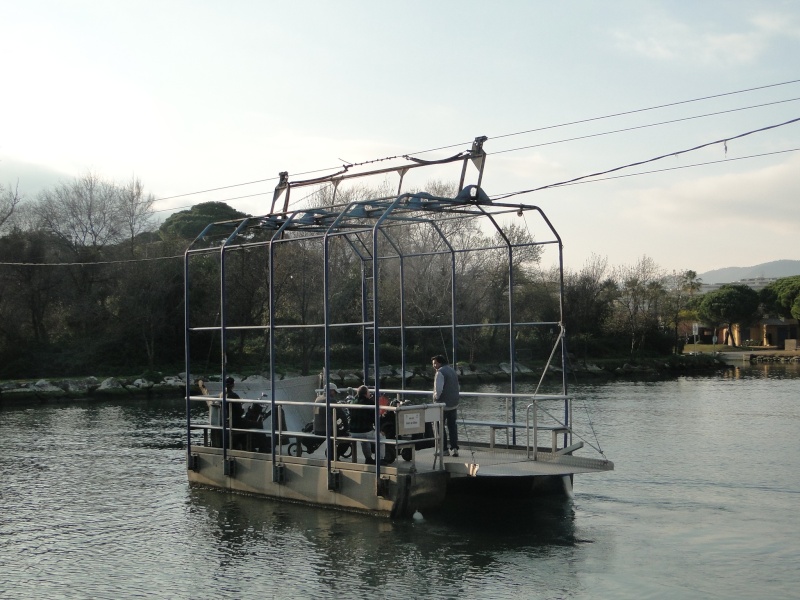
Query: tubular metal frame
point(367, 226)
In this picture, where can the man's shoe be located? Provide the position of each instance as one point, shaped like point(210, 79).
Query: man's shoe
point(455, 451)
point(369, 461)
point(445, 453)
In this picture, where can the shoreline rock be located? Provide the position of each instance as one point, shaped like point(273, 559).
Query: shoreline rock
point(87, 388)
point(91, 388)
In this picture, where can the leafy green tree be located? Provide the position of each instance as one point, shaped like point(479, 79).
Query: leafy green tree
point(30, 297)
point(782, 297)
point(146, 307)
point(299, 299)
point(680, 291)
point(588, 304)
point(91, 217)
point(482, 286)
point(188, 224)
point(730, 304)
point(59, 296)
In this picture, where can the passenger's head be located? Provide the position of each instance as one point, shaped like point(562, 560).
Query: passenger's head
point(229, 382)
point(438, 360)
point(362, 392)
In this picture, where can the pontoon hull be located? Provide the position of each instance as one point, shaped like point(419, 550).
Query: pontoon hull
point(306, 481)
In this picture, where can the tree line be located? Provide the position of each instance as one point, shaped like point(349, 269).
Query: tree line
point(93, 283)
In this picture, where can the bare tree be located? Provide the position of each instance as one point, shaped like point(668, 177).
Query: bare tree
point(135, 209)
point(640, 293)
point(588, 302)
point(9, 199)
point(90, 217)
point(83, 212)
point(90, 212)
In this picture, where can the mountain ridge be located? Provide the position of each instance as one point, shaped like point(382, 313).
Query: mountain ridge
point(775, 268)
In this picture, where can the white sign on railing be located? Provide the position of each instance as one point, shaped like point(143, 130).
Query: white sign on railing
point(410, 422)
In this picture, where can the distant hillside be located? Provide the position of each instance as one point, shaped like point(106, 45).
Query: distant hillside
point(776, 268)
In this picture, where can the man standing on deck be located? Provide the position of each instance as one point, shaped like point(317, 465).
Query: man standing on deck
point(445, 390)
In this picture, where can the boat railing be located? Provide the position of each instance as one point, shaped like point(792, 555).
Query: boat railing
point(559, 428)
point(410, 413)
point(410, 419)
point(531, 427)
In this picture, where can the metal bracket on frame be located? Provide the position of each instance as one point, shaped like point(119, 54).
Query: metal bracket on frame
point(193, 462)
point(279, 473)
point(383, 486)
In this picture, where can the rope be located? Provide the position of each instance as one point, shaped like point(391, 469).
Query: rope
point(588, 417)
point(444, 345)
point(465, 429)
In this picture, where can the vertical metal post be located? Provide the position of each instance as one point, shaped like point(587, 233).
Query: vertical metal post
point(402, 322)
point(453, 332)
point(223, 339)
point(187, 355)
point(326, 309)
point(535, 428)
point(365, 331)
point(564, 356)
point(376, 352)
point(271, 343)
point(273, 242)
point(512, 346)
point(376, 228)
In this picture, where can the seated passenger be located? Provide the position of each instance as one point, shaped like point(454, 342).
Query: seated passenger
point(237, 420)
point(319, 411)
point(254, 419)
point(362, 422)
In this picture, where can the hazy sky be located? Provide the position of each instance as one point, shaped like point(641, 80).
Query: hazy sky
point(195, 95)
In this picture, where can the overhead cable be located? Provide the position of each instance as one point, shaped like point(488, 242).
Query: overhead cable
point(577, 181)
point(93, 263)
point(649, 160)
point(702, 164)
point(494, 137)
point(592, 135)
point(639, 110)
point(619, 114)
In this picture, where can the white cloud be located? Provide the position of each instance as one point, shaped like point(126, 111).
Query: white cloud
point(755, 204)
point(667, 39)
point(777, 24)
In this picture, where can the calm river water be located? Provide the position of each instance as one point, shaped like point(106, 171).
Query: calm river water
point(704, 503)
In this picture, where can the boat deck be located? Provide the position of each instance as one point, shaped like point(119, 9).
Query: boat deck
point(499, 462)
point(473, 461)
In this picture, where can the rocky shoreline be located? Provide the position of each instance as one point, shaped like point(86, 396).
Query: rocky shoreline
point(93, 388)
point(88, 388)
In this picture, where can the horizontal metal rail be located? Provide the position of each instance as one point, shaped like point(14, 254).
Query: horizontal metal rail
point(280, 433)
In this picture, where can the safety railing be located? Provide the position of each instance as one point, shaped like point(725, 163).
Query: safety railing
point(408, 423)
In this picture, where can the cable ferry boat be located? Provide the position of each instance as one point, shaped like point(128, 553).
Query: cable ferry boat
point(375, 279)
